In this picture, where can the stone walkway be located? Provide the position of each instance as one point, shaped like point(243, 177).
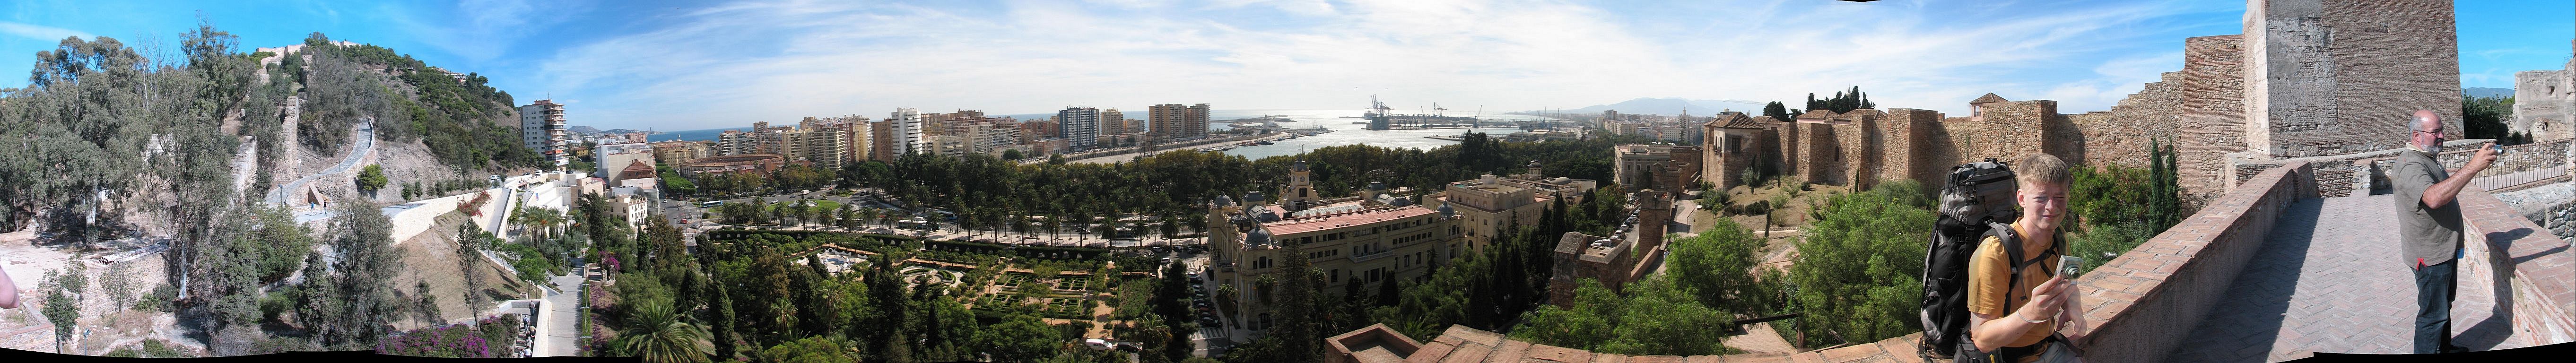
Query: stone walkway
point(2327, 280)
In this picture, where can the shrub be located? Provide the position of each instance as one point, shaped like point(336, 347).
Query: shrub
point(1859, 265)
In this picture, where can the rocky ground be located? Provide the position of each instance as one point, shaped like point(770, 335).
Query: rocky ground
point(107, 320)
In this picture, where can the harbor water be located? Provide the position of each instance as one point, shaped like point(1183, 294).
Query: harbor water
point(1344, 131)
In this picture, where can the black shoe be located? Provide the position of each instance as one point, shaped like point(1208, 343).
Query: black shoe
point(2453, 348)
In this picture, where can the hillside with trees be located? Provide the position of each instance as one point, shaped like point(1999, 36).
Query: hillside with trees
point(181, 144)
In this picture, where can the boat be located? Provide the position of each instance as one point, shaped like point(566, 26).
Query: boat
point(1266, 142)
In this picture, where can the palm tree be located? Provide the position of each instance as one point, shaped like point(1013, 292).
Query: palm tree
point(544, 220)
point(658, 336)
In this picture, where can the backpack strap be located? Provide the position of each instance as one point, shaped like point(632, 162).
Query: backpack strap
point(2010, 241)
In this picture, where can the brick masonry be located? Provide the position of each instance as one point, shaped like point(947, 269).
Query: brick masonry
point(2330, 76)
point(2213, 112)
point(2145, 302)
point(2308, 78)
point(2157, 302)
point(2543, 271)
point(2544, 102)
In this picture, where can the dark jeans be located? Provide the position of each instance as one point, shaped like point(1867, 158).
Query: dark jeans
point(2434, 287)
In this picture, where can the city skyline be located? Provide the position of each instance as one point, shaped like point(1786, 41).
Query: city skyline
point(689, 66)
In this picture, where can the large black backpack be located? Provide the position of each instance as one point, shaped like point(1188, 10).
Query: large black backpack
point(1975, 200)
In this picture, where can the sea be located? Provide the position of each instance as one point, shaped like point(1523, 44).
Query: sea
point(1345, 132)
point(691, 135)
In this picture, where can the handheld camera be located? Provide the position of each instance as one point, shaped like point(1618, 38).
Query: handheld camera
point(2067, 265)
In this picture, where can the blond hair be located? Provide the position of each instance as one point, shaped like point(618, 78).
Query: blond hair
point(2039, 169)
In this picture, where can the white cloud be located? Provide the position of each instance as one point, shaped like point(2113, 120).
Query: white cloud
point(478, 29)
point(751, 61)
point(40, 32)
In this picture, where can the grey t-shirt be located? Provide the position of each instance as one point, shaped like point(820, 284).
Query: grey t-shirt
point(2431, 235)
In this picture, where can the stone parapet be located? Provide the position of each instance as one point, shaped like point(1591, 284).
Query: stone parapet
point(2543, 272)
point(2146, 301)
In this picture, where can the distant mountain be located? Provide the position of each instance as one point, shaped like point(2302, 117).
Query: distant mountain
point(622, 131)
point(1669, 106)
point(2486, 92)
point(583, 129)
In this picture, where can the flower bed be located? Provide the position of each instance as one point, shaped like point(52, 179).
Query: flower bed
point(1064, 308)
point(491, 339)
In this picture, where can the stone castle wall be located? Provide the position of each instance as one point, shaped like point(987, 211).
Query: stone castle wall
point(2544, 102)
point(1816, 163)
point(1904, 144)
point(2339, 78)
point(2123, 135)
point(1857, 147)
point(2212, 113)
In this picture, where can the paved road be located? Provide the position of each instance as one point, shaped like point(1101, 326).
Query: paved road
point(2328, 279)
point(366, 142)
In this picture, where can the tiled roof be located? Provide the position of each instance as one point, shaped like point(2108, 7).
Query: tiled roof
point(1291, 226)
point(1464, 344)
point(1989, 97)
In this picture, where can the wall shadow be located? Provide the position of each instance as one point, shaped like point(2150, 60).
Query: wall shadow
point(2246, 326)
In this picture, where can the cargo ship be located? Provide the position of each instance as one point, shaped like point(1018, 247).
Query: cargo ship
point(1382, 118)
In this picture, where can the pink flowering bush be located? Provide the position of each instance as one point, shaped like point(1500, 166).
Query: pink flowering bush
point(495, 338)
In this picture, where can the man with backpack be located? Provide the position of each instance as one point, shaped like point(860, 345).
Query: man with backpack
point(2015, 299)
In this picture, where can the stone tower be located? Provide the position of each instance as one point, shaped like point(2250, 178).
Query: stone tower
point(1300, 193)
point(2329, 77)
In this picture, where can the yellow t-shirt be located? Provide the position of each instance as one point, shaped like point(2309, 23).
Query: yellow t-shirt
point(1986, 290)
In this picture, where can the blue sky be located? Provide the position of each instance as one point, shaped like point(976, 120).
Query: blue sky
point(679, 65)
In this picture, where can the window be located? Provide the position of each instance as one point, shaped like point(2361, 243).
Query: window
point(1337, 275)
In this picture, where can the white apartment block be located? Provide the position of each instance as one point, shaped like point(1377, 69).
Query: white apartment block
point(908, 128)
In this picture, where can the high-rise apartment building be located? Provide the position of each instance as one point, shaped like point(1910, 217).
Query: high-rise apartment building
point(1079, 126)
point(736, 142)
point(1175, 121)
point(908, 128)
point(541, 128)
point(860, 138)
point(1113, 122)
point(883, 140)
point(826, 146)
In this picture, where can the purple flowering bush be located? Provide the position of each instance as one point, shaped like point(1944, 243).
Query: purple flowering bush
point(494, 337)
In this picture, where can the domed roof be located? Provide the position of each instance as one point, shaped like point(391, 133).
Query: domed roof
point(1254, 197)
point(1258, 236)
point(1300, 165)
point(1222, 201)
point(1445, 211)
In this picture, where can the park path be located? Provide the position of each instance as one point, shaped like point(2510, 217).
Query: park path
point(365, 142)
point(558, 333)
point(2328, 279)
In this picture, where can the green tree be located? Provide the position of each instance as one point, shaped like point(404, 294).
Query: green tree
point(365, 262)
point(1657, 318)
point(2485, 118)
point(371, 178)
point(62, 306)
point(1717, 268)
point(1858, 265)
point(1022, 338)
point(656, 334)
point(808, 350)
